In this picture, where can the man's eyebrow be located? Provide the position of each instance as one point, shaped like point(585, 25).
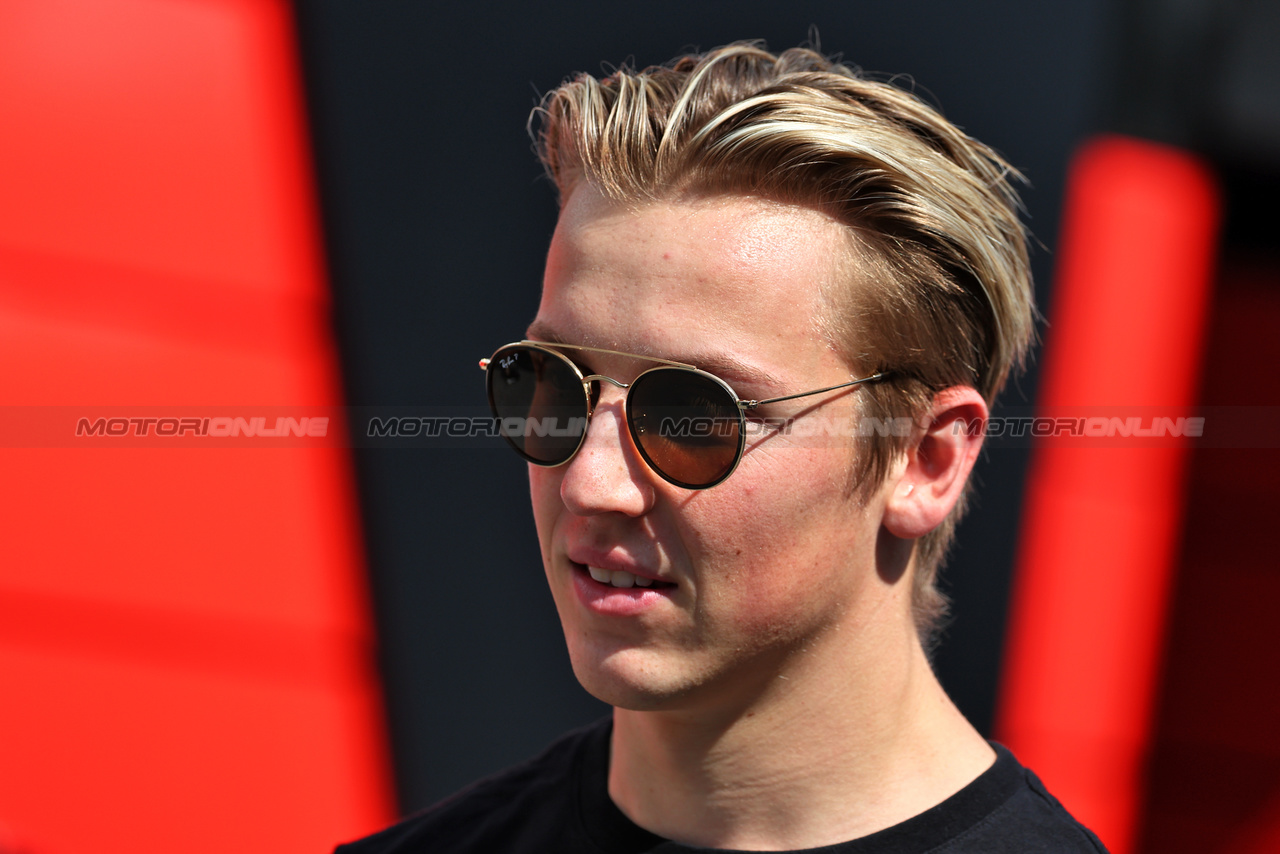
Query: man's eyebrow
point(733, 370)
point(539, 331)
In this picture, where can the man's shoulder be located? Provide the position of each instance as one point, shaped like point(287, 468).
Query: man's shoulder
point(1009, 810)
point(527, 806)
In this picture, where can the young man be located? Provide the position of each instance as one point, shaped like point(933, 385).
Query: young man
point(778, 303)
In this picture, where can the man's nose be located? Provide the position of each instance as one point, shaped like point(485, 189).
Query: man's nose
point(607, 474)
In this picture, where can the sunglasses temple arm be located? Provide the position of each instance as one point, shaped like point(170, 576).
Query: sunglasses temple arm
point(752, 404)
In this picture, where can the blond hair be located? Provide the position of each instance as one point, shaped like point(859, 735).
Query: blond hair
point(938, 284)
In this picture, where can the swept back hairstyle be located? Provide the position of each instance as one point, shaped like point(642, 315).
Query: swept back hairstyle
point(936, 287)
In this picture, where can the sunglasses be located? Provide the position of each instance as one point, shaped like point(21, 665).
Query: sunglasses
point(688, 425)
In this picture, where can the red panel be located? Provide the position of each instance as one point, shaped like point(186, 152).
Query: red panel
point(1102, 523)
point(161, 134)
point(157, 758)
point(184, 635)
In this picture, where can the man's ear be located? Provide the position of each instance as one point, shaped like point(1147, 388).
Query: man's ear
point(929, 481)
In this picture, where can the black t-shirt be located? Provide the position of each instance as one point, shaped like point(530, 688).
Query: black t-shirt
point(558, 803)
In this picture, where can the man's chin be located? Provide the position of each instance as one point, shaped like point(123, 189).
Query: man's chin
point(632, 679)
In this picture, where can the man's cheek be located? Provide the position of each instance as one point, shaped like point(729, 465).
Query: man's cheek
point(760, 599)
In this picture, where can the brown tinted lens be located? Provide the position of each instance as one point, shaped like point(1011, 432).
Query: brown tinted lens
point(540, 403)
point(686, 425)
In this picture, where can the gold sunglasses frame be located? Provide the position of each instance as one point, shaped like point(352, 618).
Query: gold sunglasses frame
point(743, 405)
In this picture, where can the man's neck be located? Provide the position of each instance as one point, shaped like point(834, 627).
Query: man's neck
point(825, 758)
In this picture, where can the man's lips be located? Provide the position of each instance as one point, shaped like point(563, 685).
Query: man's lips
point(614, 570)
point(623, 578)
point(622, 594)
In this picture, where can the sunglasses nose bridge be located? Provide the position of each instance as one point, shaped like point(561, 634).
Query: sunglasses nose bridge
point(597, 378)
point(590, 378)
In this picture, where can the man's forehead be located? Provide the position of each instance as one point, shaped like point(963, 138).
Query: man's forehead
point(722, 263)
point(727, 235)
